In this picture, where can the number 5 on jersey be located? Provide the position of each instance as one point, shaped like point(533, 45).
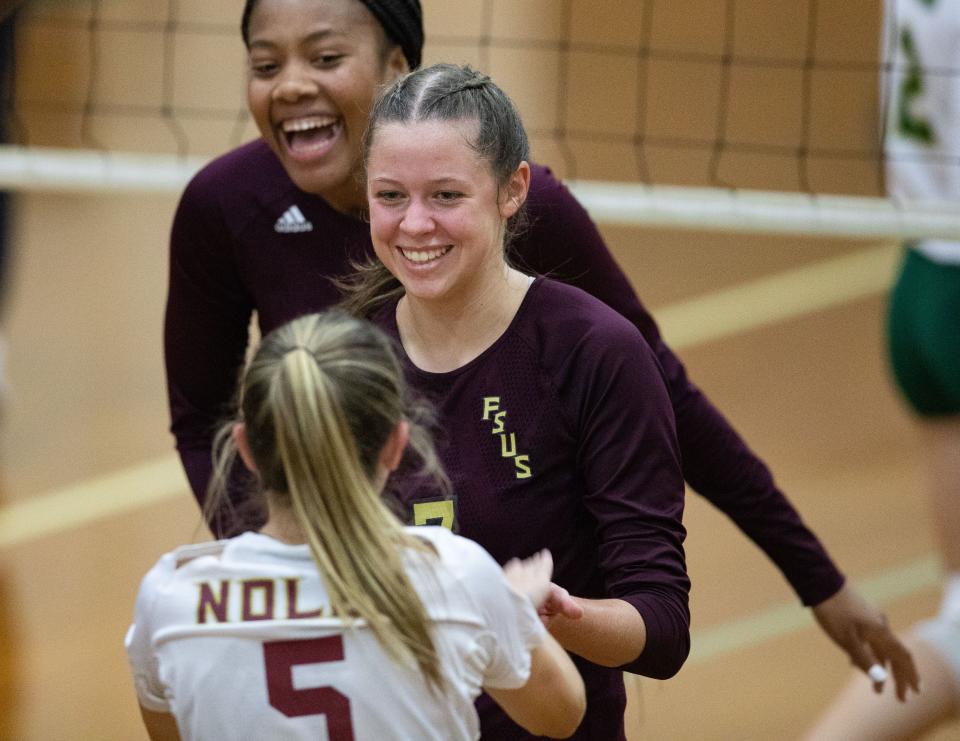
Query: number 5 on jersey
point(279, 658)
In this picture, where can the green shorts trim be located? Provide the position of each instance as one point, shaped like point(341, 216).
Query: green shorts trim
point(924, 334)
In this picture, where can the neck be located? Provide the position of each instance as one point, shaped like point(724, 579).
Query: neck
point(443, 334)
point(282, 524)
point(349, 199)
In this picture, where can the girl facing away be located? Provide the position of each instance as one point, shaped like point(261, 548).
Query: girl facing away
point(334, 621)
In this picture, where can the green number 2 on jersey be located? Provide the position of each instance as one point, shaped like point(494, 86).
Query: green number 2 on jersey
point(909, 124)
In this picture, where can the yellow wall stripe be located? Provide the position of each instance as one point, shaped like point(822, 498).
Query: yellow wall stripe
point(780, 297)
point(104, 496)
point(780, 620)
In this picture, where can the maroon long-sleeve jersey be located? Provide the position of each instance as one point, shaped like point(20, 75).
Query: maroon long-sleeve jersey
point(561, 435)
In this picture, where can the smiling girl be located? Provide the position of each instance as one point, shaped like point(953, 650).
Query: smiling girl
point(559, 431)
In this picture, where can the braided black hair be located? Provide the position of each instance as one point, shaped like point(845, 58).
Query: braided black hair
point(402, 20)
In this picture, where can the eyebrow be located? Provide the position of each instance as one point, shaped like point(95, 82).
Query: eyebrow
point(320, 35)
point(434, 182)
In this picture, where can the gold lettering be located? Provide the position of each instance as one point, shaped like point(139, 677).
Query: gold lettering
point(508, 441)
point(249, 588)
point(209, 603)
point(293, 586)
point(490, 404)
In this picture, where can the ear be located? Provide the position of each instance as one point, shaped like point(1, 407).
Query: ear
point(239, 434)
point(515, 191)
point(392, 452)
point(395, 66)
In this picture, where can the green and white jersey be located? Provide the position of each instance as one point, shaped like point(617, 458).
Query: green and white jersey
point(922, 53)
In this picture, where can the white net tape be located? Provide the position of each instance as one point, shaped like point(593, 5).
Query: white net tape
point(80, 171)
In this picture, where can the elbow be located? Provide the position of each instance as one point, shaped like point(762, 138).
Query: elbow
point(563, 712)
point(565, 719)
point(668, 661)
point(683, 653)
point(667, 671)
point(578, 713)
point(667, 644)
point(664, 654)
point(565, 728)
point(553, 701)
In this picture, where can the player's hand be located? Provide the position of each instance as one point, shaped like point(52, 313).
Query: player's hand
point(862, 631)
point(531, 576)
point(559, 603)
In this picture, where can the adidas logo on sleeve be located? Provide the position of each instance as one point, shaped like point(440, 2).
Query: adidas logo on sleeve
point(292, 222)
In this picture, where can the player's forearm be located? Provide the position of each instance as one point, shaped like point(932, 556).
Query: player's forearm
point(610, 633)
point(198, 466)
point(554, 676)
point(160, 726)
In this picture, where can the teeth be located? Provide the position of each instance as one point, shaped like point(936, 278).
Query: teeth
point(305, 124)
point(424, 255)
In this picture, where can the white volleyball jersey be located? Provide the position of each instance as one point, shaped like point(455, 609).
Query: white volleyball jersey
point(235, 638)
point(922, 90)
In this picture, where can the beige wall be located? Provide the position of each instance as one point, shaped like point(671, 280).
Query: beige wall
point(574, 67)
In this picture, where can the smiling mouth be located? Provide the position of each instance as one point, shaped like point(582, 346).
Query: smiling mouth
point(424, 256)
point(310, 134)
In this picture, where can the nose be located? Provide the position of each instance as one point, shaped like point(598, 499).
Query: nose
point(293, 85)
point(417, 218)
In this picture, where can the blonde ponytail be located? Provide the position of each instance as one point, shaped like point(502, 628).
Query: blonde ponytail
point(320, 399)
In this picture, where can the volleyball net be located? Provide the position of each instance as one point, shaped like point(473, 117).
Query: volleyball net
point(763, 115)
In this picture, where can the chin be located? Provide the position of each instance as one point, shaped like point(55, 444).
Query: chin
point(327, 175)
point(427, 292)
point(316, 180)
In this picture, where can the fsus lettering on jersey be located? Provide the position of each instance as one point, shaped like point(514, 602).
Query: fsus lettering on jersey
point(508, 440)
point(235, 600)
